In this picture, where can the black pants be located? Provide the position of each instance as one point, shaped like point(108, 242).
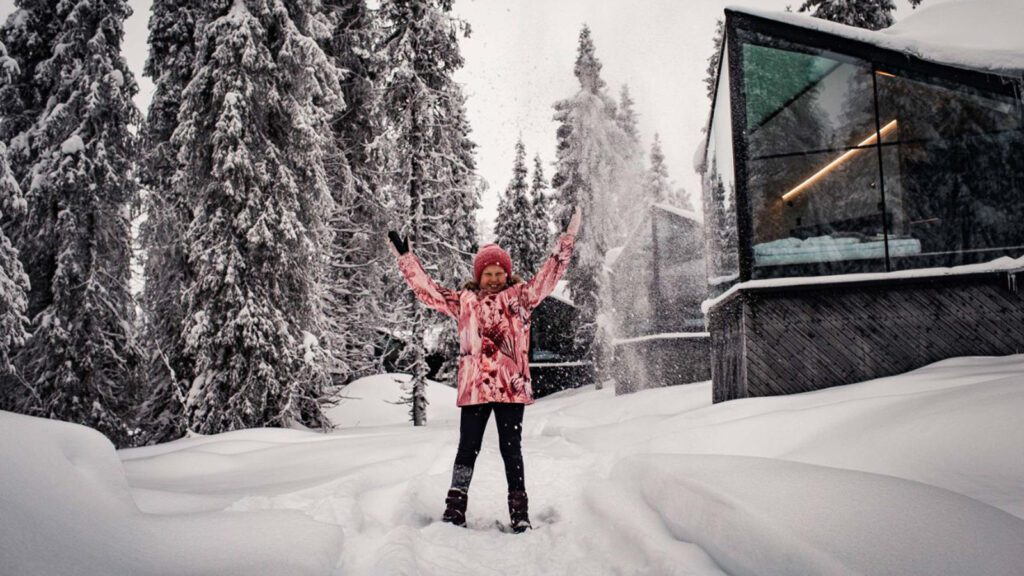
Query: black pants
point(471, 434)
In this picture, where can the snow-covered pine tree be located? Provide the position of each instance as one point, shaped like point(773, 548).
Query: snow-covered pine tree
point(592, 162)
point(540, 214)
point(13, 280)
point(711, 78)
point(720, 225)
point(626, 115)
point(13, 287)
point(80, 363)
point(500, 223)
point(869, 14)
point(358, 258)
point(463, 237)
point(631, 179)
point(514, 224)
point(657, 188)
point(462, 222)
point(253, 140)
point(427, 160)
point(681, 198)
point(169, 370)
point(28, 34)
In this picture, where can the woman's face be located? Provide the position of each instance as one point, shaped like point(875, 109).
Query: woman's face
point(493, 279)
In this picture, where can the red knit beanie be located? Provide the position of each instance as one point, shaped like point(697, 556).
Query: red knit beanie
point(491, 254)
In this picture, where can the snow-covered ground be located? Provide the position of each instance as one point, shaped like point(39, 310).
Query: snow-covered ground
point(915, 474)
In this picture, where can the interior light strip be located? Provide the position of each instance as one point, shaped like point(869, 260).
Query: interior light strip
point(885, 131)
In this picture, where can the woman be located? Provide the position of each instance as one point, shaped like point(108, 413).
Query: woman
point(493, 314)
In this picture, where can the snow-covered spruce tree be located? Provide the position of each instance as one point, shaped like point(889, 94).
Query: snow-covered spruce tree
point(540, 214)
point(499, 224)
point(169, 370)
point(681, 199)
point(711, 78)
point(869, 14)
point(428, 164)
point(358, 258)
point(29, 35)
point(626, 115)
point(591, 162)
point(658, 188)
point(13, 280)
point(252, 140)
point(629, 199)
point(462, 222)
point(720, 223)
point(81, 360)
point(514, 227)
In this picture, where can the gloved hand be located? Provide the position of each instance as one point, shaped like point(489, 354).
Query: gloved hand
point(400, 245)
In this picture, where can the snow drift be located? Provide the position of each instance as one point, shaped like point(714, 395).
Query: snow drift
point(66, 508)
point(758, 516)
point(912, 474)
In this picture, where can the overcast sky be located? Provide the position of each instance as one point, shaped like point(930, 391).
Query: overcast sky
point(519, 61)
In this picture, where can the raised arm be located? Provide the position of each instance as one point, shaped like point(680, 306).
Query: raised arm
point(427, 291)
point(541, 285)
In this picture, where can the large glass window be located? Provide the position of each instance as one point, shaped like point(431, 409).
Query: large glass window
point(812, 162)
point(956, 171)
point(850, 168)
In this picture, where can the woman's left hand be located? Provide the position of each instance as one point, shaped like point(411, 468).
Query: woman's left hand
point(398, 245)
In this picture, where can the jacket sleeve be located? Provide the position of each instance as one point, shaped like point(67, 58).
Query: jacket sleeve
point(427, 291)
point(541, 285)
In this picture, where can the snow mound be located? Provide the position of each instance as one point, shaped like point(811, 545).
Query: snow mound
point(67, 509)
point(954, 424)
point(761, 516)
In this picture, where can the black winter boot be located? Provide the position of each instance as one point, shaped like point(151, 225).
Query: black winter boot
point(455, 507)
point(519, 511)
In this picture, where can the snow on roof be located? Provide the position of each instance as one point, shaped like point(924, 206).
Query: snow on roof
point(975, 34)
point(688, 214)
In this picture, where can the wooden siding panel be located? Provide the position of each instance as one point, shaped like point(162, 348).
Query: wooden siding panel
point(784, 341)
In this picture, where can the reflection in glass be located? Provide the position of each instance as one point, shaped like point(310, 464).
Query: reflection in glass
point(801, 102)
point(957, 168)
point(720, 191)
point(813, 178)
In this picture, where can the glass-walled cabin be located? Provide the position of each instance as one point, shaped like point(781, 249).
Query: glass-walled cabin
point(827, 155)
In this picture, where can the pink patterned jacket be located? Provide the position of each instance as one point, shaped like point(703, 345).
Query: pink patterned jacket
point(494, 330)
